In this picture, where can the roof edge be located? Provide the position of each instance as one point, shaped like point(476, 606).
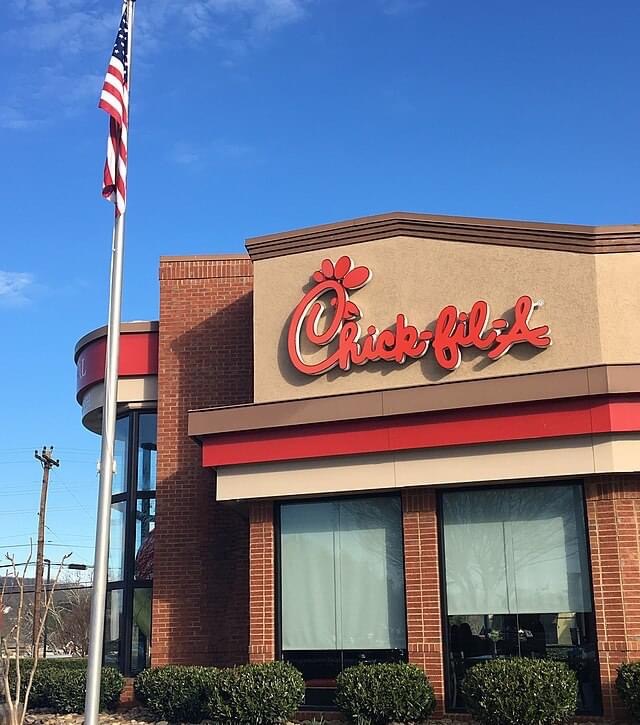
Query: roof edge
point(594, 380)
point(126, 328)
point(168, 258)
point(505, 232)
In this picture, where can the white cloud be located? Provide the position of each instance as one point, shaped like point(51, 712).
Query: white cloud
point(14, 287)
point(81, 32)
point(232, 150)
point(68, 29)
point(14, 118)
point(79, 25)
point(220, 150)
point(401, 7)
point(185, 154)
point(41, 90)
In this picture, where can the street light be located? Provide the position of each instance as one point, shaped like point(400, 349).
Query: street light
point(76, 567)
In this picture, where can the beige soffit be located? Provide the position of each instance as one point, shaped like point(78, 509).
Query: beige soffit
point(132, 393)
point(537, 235)
point(502, 462)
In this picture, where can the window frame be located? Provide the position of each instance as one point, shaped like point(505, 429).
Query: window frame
point(442, 577)
point(130, 497)
point(401, 655)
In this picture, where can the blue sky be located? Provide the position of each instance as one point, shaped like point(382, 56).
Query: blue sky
point(256, 116)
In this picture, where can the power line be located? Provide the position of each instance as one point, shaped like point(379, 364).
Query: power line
point(62, 542)
point(82, 506)
point(30, 511)
point(49, 543)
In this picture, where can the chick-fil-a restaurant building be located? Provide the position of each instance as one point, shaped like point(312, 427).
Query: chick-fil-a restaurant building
point(397, 438)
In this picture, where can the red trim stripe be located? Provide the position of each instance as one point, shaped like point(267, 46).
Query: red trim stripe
point(525, 421)
point(138, 357)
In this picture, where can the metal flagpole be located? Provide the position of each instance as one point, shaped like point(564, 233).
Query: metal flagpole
point(99, 594)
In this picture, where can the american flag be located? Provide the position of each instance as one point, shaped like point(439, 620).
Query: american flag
point(114, 99)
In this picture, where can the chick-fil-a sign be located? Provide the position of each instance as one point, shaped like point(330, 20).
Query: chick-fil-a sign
point(329, 298)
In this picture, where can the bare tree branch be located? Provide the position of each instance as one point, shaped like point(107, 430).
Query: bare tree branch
point(16, 710)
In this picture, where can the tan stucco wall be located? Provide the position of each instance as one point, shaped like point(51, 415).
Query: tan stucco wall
point(590, 300)
point(618, 302)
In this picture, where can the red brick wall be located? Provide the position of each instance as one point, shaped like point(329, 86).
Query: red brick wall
point(424, 623)
point(261, 582)
point(201, 587)
point(613, 512)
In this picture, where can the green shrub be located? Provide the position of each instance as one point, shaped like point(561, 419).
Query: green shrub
point(176, 693)
point(260, 694)
point(60, 684)
point(385, 693)
point(518, 690)
point(628, 686)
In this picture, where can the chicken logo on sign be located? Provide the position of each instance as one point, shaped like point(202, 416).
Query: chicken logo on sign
point(330, 298)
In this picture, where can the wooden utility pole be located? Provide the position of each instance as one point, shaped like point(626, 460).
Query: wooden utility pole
point(47, 463)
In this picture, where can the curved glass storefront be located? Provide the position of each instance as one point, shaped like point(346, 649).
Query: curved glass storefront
point(127, 636)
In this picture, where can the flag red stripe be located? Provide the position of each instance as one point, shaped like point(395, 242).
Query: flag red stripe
point(115, 71)
point(115, 114)
point(115, 91)
point(115, 104)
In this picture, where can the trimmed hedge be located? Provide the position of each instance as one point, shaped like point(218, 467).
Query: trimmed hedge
point(259, 694)
point(521, 690)
point(628, 686)
point(383, 693)
point(60, 684)
point(176, 693)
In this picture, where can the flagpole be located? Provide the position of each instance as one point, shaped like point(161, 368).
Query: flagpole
point(100, 572)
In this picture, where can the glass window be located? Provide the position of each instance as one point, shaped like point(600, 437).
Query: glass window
point(342, 575)
point(131, 539)
point(141, 632)
point(117, 540)
point(112, 617)
point(121, 456)
point(147, 452)
point(145, 524)
point(517, 581)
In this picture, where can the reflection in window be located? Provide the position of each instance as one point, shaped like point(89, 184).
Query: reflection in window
point(147, 452)
point(113, 614)
point(141, 632)
point(120, 454)
point(517, 581)
point(145, 524)
point(128, 631)
point(117, 541)
point(342, 575)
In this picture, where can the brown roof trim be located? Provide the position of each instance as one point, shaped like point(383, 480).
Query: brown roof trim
point(125, 329)
point(202, 257)
point(572, 383)
point(536, 235)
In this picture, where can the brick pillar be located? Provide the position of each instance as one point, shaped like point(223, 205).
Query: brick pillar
point(424, 628)
point(205, 359)
point(127, 696)
point(261, 583)
point(613, 511)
